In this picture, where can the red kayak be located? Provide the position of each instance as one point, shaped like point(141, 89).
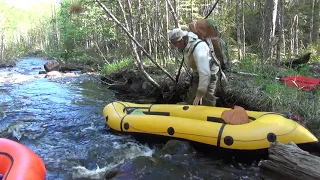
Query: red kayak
point(17, 162)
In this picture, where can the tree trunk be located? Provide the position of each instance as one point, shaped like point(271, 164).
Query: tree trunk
point(174, 14)
point(133, 45)
point(101, 53)
point(166, 35)
point(311, 21)
point(2, 25)
point(296, 35)
point(148, 30)
point(316, 21)
point(191, 13)
point(156, 31)
point(274, 6)
point(263, 38)
point(140, 26)
point(291, 39)
point(269, 25)
point(2, 45)
point(281, 23)
point(243, 30)
point(280, 32)
point(162, 47)
point(240, 53)
point(55, 28)
point(289, 162)
point(294, 44)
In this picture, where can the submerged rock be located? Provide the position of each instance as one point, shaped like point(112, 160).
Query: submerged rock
point(178, 160)
point(173, 154)
point(7, 65)
point(52, 66)
point(176, 147)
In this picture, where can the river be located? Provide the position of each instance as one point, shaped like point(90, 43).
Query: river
point(61, 120)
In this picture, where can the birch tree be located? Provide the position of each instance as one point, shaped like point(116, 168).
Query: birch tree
point(280, 34)
point(243, 30)
point(269, 25)
point(134, 41)
point(2, 34)
point(315, 27)
point(239, 34)
point(294, 38)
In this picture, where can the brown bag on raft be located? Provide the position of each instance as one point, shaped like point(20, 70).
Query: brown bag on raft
point(237, 115)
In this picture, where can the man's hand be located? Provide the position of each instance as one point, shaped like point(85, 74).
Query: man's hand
point(197, 101)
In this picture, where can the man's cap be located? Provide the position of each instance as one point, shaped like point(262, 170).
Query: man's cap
point(177, 34)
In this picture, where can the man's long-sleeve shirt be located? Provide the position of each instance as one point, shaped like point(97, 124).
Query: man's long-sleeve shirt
point(199, 60)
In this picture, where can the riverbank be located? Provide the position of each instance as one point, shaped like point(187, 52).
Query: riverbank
point(260, 92)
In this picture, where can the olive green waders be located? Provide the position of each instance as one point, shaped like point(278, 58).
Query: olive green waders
point(209, 99)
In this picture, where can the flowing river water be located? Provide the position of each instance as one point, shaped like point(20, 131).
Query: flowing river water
point(61, 120)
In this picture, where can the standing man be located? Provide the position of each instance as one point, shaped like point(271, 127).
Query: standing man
point(206, 71)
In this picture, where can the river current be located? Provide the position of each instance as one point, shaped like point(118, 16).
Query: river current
point(61, 120)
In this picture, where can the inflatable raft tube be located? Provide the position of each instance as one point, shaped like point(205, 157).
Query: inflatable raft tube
point(202, 124)
point(20, 163)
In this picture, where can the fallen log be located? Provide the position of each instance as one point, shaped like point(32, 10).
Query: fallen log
point(292, 63)
point(288, 161)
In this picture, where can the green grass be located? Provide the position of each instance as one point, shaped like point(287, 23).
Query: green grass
point(115, 66)
point(285, 99)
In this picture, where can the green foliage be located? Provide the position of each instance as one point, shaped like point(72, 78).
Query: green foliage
point(252, 27)
point(20, 33)
point(77, 28)
point(116, 66)
point(249, 63)
point(14, 51)
point(315, 52)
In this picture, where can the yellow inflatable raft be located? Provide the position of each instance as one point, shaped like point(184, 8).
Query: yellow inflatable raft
point(199, 124)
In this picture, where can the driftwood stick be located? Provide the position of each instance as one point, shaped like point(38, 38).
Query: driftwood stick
point(288, 161)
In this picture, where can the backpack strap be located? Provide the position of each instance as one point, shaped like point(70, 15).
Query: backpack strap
point(211, 61)
point(194, 47)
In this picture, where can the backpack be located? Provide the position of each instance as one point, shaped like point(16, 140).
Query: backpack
point(237, 115)
point(207, 30)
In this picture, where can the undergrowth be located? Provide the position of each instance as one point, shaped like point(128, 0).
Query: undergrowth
point(115, 66)
point(285, 99)
point(265, 93)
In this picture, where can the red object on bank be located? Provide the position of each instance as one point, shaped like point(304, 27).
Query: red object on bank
point(301, 82)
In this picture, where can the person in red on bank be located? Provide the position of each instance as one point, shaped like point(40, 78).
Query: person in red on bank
point(205, 76)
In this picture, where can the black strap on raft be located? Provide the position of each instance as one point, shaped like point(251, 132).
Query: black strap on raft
point(194, 47)
point(130, 109)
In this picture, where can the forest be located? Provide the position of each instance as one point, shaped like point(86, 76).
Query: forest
point(111, 34)
point(76, 30)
